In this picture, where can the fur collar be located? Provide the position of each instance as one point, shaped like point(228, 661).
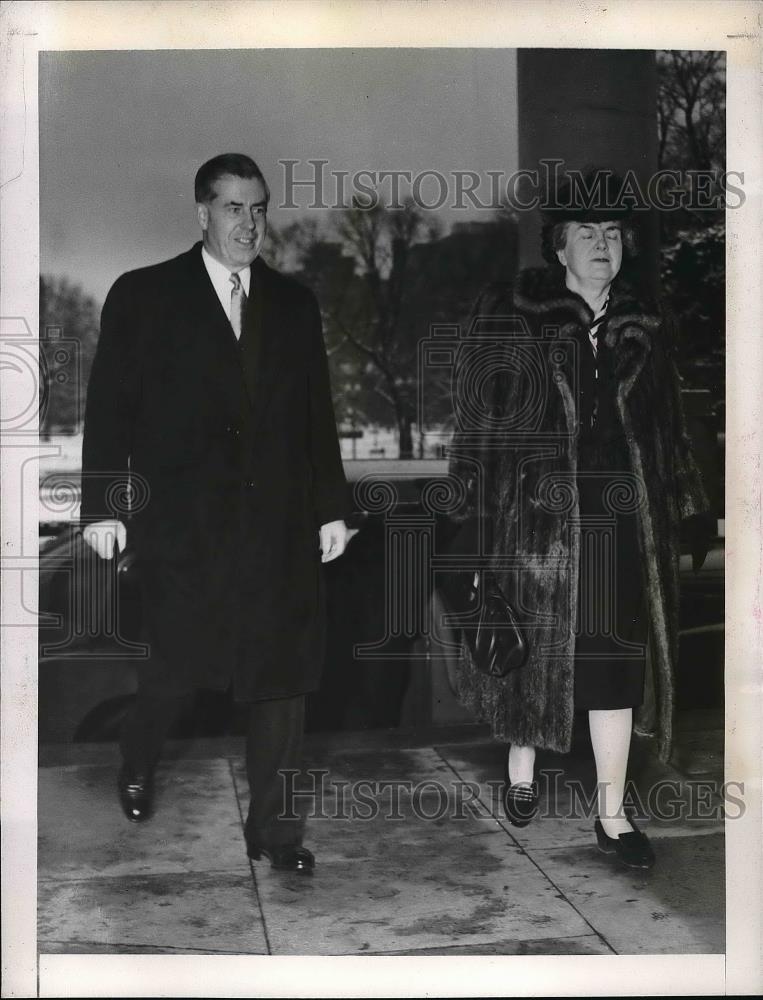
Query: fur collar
point(542, 292)
point(629, 327)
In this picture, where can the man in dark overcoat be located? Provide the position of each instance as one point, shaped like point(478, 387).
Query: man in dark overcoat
point(210, 394)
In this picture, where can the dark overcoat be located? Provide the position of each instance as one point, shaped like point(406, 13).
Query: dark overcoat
point(233, 454)
point(518, 470)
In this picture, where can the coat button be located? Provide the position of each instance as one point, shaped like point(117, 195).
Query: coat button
point(250, 484)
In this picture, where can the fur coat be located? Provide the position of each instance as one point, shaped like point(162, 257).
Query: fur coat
point(514, 456)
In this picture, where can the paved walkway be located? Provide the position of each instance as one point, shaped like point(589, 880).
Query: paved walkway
point(398, 870)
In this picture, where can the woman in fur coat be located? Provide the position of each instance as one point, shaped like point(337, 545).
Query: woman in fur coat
point(572, 450)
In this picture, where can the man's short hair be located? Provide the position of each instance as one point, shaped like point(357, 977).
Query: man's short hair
point(226, 164)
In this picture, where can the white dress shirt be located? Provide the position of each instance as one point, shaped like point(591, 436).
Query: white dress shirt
point(219, 275)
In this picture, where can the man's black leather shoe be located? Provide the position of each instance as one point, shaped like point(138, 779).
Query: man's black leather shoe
point(136, 795)
point(284, 859)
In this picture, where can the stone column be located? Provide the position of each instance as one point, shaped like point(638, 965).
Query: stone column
point(589, 107)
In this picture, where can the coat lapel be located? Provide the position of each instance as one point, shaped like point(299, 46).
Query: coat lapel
point(628, 334)
point(202, 316)
point(263, 350)
point(256, 361)
point(250, 348)
point(204, 309)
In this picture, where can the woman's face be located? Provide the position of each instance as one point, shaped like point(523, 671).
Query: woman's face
point(593, 251)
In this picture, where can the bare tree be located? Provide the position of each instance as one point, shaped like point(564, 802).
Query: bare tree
point(691, 123)
point(285, 248)
point(380, 240)
point(383, 278)
point(69, 324)
point(691, 106)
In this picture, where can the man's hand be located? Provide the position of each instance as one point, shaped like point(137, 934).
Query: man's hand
point(334, 537)
point(102, 535)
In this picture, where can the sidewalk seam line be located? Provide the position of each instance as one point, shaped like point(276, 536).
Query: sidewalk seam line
point(558, 937)
point(534, 863)
point(251, 863)
point(129, 944)
point(52, 880)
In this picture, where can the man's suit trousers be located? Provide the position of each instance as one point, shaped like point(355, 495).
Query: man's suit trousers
point(273, 744)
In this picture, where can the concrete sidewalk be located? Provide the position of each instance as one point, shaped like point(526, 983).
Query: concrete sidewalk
point(408, 867)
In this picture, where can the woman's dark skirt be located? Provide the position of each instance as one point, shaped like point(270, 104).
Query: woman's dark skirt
point(610, 649)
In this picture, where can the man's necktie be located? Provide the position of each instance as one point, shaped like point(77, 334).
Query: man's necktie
point(237, 305)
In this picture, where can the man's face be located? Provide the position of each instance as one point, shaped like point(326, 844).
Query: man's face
point(593, 251)
point(234, 222)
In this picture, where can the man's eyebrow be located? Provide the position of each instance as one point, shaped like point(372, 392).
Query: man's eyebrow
point(238, 204)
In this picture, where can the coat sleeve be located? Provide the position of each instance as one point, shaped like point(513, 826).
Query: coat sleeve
point(110, 409)
point(330, 502)
point(690, 491)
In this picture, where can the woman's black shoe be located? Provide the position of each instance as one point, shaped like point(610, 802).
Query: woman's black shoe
point(520, 803)
point(633, 849)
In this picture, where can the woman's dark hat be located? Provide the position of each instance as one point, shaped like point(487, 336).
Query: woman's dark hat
point(595, 195)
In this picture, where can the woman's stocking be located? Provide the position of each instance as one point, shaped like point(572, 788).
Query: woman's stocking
point(611, 739)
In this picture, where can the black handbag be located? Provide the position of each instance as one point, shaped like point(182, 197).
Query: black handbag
point(495, 638)
point(490, 627)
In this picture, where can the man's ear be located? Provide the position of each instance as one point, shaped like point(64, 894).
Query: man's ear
point(202, 214)
point(562, 257)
